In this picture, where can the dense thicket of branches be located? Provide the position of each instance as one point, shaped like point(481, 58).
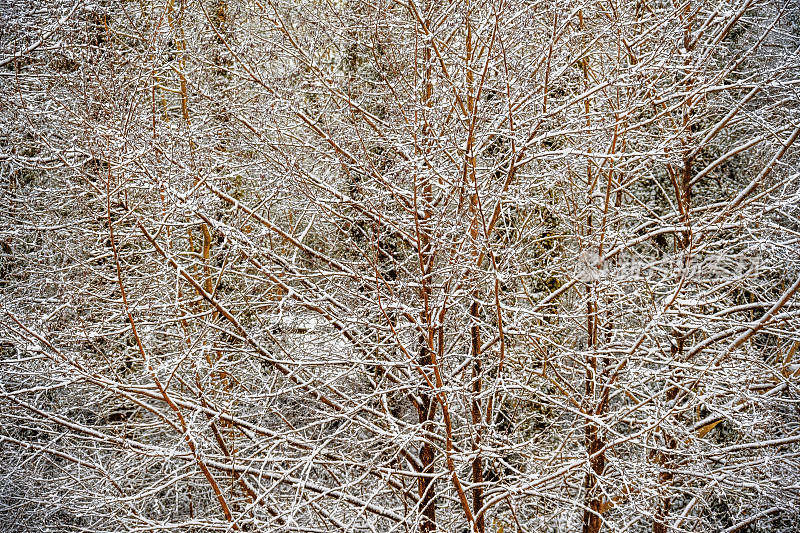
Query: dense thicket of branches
point(399, 266)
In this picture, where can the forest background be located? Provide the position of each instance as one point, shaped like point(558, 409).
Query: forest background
point(340, 265)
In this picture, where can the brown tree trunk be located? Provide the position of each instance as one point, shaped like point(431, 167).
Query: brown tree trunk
point(592, 520)
point(425, 484)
